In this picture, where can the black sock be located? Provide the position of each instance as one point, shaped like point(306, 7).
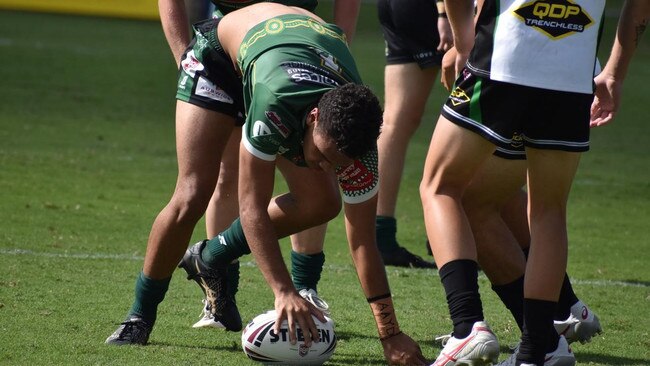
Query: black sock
point(567, 299)
point(460, 280)
point(512, 296)
point(386, 230)
point(538, 336)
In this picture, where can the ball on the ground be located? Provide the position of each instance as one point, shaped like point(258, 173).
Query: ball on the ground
point(262, 344)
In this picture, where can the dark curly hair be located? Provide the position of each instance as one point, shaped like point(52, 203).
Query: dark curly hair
point(351, 116)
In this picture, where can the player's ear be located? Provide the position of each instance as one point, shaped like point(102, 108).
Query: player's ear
point(312, 117)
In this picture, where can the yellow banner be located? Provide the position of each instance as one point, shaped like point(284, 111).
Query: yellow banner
point(139, 9)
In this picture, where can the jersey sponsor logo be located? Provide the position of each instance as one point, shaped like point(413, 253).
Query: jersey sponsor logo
point(260, 129)
point(206, 88)
point(300, 72)
point(458, 96)
point(191, 64)
point(554, 18)
point(277, 122)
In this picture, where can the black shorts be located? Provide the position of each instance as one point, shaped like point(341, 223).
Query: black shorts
point(411, 31)
point(207, 77)
point(514, 116)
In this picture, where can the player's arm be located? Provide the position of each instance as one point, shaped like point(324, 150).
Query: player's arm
point(261, 140)
point(609, 83)
point(448, 69)
point(360, 186)
point(461, 19)
point(444, 29)
point(255, 192)
point(346, 13)
point(399, 348)
point(174, 20)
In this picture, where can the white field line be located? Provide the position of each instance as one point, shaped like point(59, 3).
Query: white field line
point(138, 258)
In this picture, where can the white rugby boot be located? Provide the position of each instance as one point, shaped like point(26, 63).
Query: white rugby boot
point(479, 348)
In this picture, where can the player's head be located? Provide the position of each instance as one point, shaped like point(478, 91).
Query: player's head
point(351, 116)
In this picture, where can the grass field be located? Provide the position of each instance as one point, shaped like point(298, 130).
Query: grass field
point(87, 160)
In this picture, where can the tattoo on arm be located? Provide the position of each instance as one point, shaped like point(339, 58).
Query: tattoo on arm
point(385, 318)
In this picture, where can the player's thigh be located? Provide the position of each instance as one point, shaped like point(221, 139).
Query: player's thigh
point(550, 175)
point(407, 89)
point(201, 135)
point(555, 135)
point(455, 155)
point(496, 182)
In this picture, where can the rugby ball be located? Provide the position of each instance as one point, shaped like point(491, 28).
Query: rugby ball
point(262, 344)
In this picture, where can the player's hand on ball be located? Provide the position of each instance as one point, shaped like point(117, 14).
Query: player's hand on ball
point(296, 310)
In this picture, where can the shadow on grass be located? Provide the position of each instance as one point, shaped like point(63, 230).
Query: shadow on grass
point(353, 357)
point(587, 358)
point(590, 357)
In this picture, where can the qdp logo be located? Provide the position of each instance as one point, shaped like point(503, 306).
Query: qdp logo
point(555, 18)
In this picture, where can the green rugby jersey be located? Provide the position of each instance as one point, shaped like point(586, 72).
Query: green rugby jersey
point(287, 64)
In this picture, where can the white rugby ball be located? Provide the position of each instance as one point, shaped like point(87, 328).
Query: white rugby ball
point(260, 343)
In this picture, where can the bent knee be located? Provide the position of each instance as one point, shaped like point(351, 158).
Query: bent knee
point(327, 206)
point(190, 202)
point(432, 189)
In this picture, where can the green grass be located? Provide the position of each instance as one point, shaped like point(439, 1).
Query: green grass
point(87, 160)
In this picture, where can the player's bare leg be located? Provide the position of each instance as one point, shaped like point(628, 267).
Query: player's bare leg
point(455, 154)
point(407, 89)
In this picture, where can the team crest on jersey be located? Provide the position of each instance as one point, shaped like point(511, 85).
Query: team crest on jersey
point(458, 96)
point(277, 122)
point(554, 18)
point(191, 64)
